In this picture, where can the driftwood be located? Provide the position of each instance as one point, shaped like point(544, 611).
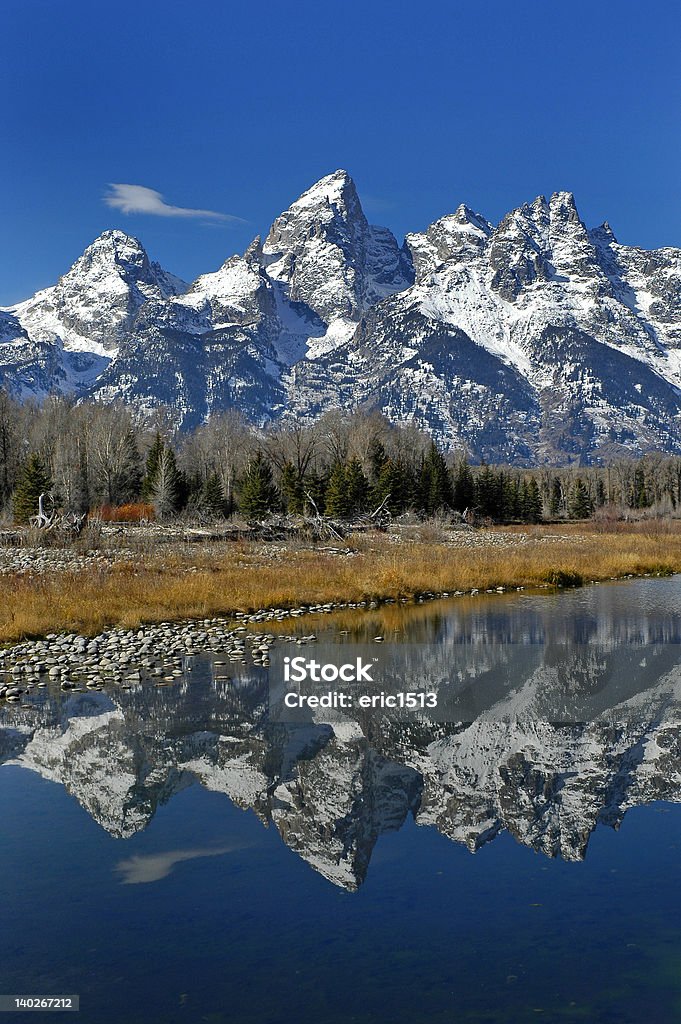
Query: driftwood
point(319, 526)
point(56, 520)
point(379, 519)
point(44, 520)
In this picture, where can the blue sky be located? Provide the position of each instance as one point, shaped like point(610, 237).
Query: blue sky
point(238, 107)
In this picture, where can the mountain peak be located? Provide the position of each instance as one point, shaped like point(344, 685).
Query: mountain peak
point(117, 244)
point(539, 208)
point(604, 233)
point(334, 192)
point(562, 204)
point(93, 304)
point(117, 236)
point(563, 196)
point(323, 250)
point(336, 186)
point(464, 215)
point(112, 254)
point(253, 253)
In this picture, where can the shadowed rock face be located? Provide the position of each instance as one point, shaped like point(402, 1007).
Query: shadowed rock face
point(533, 340)
point(554, 739)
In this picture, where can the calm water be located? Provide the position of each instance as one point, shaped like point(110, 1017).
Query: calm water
point(172, 856)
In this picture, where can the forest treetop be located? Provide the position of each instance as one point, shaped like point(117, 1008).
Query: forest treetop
point(90, 455)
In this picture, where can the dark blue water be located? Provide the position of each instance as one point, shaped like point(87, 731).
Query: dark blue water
point(210, 912)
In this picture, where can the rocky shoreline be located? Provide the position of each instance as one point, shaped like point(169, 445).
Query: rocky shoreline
point(27, 561)
point(156, 652)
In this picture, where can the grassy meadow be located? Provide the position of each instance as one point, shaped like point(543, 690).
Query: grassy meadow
point(160, 583)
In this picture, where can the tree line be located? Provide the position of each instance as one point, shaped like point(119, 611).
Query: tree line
point(95, 457)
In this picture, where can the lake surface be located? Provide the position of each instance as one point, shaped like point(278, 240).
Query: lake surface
point(171, 854)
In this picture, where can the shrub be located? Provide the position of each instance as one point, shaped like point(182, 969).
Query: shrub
point(133, 512)
point(564, 578)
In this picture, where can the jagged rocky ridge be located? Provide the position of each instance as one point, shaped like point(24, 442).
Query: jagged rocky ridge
point(560, 737)
point(536, 340)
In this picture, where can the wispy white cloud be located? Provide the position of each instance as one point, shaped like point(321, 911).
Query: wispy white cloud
point(140, 199)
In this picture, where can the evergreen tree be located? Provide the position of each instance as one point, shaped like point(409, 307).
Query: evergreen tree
point(128, 480)
point(640, 497)
point(556, 500)
point(337, 499)
point(531, 501)
point(153, 460)
point(396, 483)
point(357, 487)
point(463, 492)
point(484, 491)
point(213, 496)
point(34, 480)
point(315, 485)
point(489, 487)
point(580, 506)
point(292, 489)
point(512, 497)
point(258, 496)
point(435, 488)
point(193, 486)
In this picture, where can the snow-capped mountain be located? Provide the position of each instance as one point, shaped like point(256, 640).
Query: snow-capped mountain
point(532, 340)
point(71, 331)
point(535, 340)
point(93, 305)
point(213, 347)
point(329, 258)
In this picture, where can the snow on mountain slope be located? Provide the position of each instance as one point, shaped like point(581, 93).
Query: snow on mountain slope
point(536, 340)
point(74, 328)
point(516, 342)
point(324, 249)
point(216, 345)
point(539, 268)
point(91, 306)
point(230, 338)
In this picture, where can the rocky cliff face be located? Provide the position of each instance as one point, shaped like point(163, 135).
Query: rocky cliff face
point(328, 256)
point(533, 340)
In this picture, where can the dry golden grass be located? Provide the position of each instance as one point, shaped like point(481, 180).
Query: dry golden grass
point(189, 582)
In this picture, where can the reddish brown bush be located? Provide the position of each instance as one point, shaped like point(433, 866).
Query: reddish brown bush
point(133, 512)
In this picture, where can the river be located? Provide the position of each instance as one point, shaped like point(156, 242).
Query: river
point(173, 854)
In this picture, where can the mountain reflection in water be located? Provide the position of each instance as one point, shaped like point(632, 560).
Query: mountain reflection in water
point(571, 715)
